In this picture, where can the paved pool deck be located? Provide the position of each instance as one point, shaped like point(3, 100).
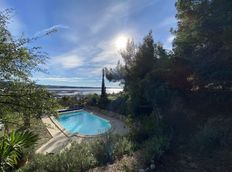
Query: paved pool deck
point(61, 139)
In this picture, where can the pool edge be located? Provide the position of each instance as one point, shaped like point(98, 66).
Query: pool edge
point(68, 134)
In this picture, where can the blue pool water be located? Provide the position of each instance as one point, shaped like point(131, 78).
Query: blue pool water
point(84, 123)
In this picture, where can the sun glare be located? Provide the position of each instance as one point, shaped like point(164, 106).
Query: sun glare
point(121, 42)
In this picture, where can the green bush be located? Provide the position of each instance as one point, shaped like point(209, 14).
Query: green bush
point(122, 146)
point(81, 157)
point(118, 103)
point(153, 148)
point(207, 139)
point(69, 101)
point(215, 134)
point(102, 149)
point(77, 158)
point(92, 100)
point(146, 127)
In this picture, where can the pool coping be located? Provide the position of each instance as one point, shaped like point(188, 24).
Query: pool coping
point(68, 134)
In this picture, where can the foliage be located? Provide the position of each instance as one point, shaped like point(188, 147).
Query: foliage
point(92, 100)
point(77, 158)
point(203, 38)
point(102, 149)
point(184, 87)
point(146, 127)
point(18, 93)
point(214, 135)
point(142, 75)
point(109, 148)
point(81, 157)
point(69, 101)
point(118, 104)
point(123, 146)
point(153, 149)
point(12, 148)
point(103, 98)
point(200, 60)
point(19, 61)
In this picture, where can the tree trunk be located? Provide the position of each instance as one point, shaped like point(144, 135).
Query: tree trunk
point(26, 121)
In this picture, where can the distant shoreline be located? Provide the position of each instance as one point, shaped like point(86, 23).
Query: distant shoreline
point(76, 87)
point(61, 91)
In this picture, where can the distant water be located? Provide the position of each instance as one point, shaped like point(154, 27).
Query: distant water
point(70, 91)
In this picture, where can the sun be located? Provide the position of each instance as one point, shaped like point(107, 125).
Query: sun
point(121, 42)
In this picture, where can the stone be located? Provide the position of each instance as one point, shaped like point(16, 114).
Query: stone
point(147, 169)
point(193, 165)
point(152, 166)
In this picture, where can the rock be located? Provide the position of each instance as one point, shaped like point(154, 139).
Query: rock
point(192, 165)
point(152, 166)
point(147, 169)
point(141, 170)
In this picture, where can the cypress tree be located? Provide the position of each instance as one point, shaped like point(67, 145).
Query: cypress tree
point(103, 87)
point(103, 100)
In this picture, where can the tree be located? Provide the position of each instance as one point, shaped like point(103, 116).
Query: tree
point(103, 87)
point(142, 74)
point(18, 94)
point(203, 40)
point(103, 98)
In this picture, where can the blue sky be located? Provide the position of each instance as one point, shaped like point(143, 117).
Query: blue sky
point(87, 31)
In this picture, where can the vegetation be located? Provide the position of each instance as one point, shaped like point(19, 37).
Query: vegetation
point(20, 97)
point(103, 99)
point(82, 157)
point(186, 87)
point(178, 96)
point(12, 148)
point(177, 103)
point(18, 93)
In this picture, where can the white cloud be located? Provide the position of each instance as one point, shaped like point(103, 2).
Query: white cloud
point(71, 36)
point(119, 12)
point(168, 42)
point(68, 60)
point(112, 13)
point(108, 55)
point(170, 39)
point(15, 25)
point(169, 21)
point(53, 28)
point(61, 79)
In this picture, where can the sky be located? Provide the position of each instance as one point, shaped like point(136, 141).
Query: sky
point(90, 33)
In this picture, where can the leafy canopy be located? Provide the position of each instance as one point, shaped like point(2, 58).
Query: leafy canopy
point(18, 94)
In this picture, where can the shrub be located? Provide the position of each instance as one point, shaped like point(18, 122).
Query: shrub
point(92, 99)
point(77, 158)
point(82, 157)
point(110, 148)
point(146, 127)
point(68, 101)
point(102, 149)
point(123, 146)
point(127, 164)
point(153, 148)
point(215, 134)
point(118, 103)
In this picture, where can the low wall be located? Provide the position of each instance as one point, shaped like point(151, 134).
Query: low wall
point(106, 112)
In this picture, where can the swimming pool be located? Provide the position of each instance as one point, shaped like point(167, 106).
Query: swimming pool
point(83, 123)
